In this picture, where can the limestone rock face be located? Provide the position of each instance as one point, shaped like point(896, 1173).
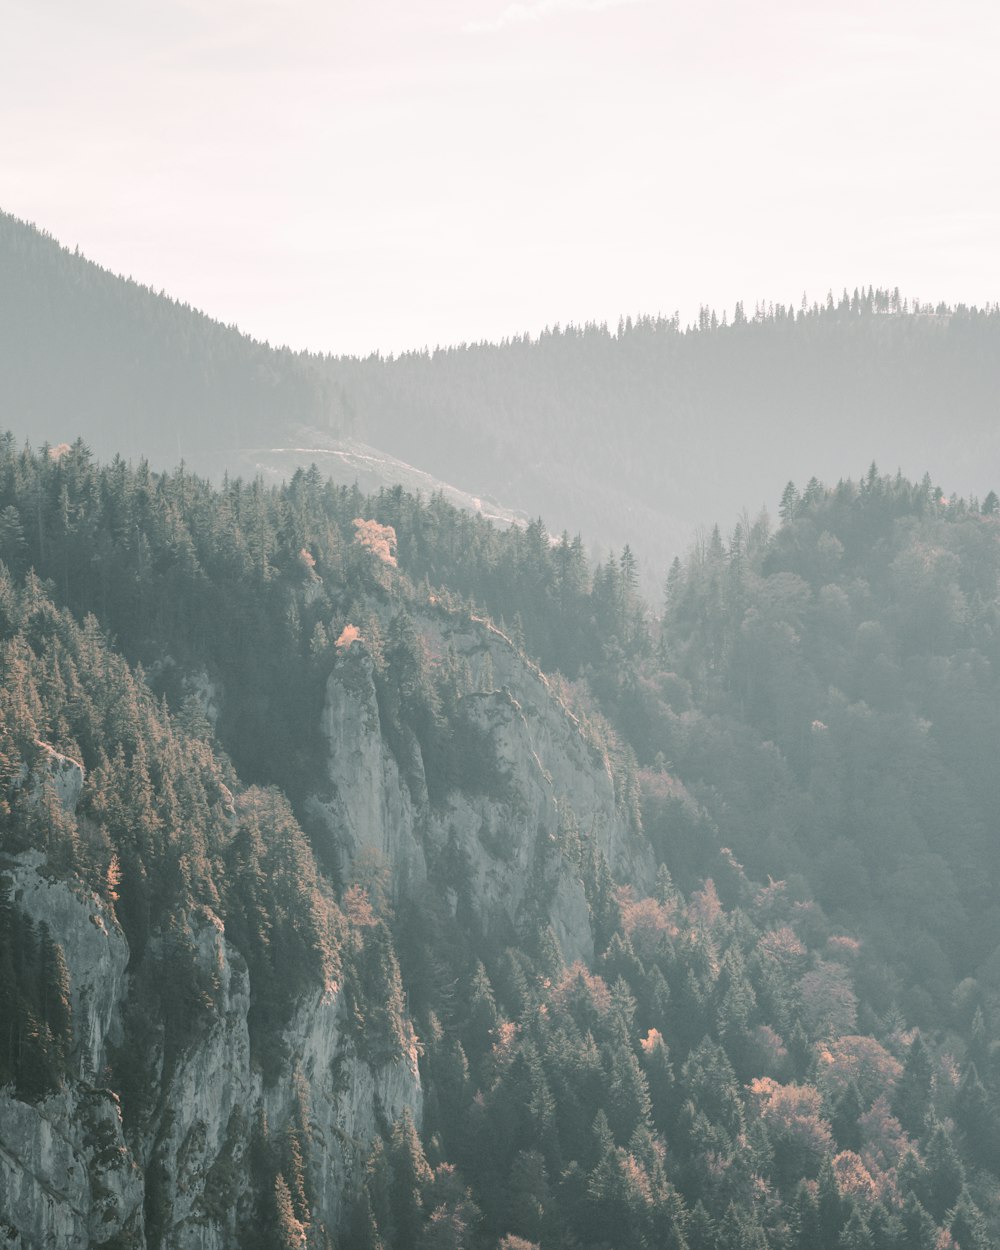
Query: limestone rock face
point(369, 807)
point(196, 1142)
point(513, 872)
point(64, 774)
point(68, 1178)
point(504, 849)
point(214, 1099)
point(207, 693)
point(95, 949)
point(341, 1095)
point(576, 770)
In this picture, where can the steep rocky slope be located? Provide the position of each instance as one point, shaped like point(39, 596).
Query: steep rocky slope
point(71, 1176)
point(510, 841)
point(67, 1175)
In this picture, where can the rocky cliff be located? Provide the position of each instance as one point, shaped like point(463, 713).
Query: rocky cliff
point(510, 842)
point(181, 1177)
point(69, 1178)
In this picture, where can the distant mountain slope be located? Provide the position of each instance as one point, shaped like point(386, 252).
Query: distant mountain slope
point(636, 436)
point(642, 434)
point(347, 461)
point(86, 353)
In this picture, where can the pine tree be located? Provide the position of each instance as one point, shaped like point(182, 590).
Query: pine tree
point(967, 1225)
point(411, 1179)
point(886, 1228)
point(700, 1229)
point(832, 1209)
point(291, 1233)
point(919, 1230)
point(740, 1229)
point(804, 1218)
point(856, 1234)
point(57, 1010)
point(362, 1230)
point(977, 1121)
point(847, 1112)
point(911, 1098)
point(944, 1175)
point(628, 1102)
point(481, 1018)
point(789, 502)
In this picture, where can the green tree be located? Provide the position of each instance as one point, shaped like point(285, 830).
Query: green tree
point(911, 1097)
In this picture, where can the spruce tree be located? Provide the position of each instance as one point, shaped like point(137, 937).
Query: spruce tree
point(911, 1097)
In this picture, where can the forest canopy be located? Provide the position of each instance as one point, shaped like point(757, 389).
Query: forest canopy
point(789, 1041)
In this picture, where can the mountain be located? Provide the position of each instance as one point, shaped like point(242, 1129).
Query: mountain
point(87, 354)
point(372, 875)
point(641, 434)
point(634, 436)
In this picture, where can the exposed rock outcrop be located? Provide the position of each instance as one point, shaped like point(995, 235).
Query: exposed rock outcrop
point(69, 1178)
point(213, 1100)
point(368, 806)
point(51, 767)
point(498, 849)
point(95, 950)
point(508, 844)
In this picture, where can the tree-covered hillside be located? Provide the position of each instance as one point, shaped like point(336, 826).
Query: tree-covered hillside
point(787, 1040)
point(640, 433)
point(633, 434)
point(86, 354)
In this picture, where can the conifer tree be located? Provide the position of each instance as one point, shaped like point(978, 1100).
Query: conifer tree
point(944, 1174)
point(919, 1230)
point(411, 1178)
point(856, 1234)
point(966, 1224)
point(57, 1009)
point(291, 1233)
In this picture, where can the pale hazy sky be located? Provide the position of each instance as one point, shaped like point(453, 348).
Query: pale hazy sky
point(348, 176)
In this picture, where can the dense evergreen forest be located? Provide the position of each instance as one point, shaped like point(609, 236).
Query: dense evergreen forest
point(789, 1043)
point(633, 434)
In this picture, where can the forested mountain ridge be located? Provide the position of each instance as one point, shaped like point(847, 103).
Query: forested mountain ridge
point(87, 354)
point(639, 434)
point(636, 434)
point(315, 780)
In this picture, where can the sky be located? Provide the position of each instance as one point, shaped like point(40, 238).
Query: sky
point(361, 175)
